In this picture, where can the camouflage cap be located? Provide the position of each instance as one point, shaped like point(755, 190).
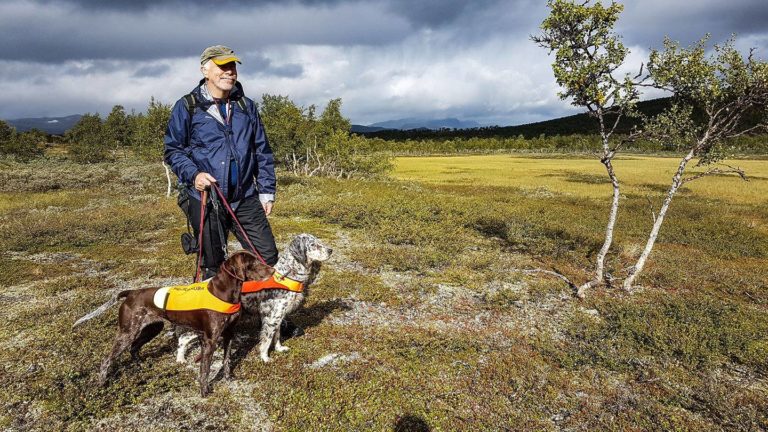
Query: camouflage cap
point(220, 55)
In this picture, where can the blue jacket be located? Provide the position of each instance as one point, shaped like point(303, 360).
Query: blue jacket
point(203, 144)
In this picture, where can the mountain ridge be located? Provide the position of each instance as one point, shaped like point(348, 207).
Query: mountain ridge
point(50, 125)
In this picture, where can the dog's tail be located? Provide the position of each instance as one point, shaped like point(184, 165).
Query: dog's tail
point(103, 308)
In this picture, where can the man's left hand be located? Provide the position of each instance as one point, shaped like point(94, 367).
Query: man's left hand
point(267, 207)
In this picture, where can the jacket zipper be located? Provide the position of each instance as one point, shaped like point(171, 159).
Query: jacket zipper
point(232, 153)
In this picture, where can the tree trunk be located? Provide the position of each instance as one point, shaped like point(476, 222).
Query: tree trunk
point(677, 180)
point(600, 261)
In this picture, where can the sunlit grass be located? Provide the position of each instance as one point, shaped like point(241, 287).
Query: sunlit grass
point(586, 178)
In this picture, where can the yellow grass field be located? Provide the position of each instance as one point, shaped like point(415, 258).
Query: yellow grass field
point(640, 175)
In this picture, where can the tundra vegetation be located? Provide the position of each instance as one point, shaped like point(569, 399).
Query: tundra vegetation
point(417, 319)
point(425, 317)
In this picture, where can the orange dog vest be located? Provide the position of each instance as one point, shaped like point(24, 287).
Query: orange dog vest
point(192, 297)
point(276, 281)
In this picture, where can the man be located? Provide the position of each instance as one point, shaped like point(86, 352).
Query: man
point(215, 135)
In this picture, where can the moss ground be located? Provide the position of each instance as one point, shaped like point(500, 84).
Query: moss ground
point(421, 320)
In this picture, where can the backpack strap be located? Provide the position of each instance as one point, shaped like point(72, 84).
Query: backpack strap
point(190, 101)
point(242, 104)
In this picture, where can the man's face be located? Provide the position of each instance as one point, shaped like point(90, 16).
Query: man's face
point(222, 77)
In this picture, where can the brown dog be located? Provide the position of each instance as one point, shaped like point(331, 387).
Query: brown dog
point(140, 320)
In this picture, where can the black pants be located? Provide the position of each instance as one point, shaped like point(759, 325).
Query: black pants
point(251, 215)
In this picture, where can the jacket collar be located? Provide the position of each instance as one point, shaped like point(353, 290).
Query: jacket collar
point(206, 101)
point(234, 95)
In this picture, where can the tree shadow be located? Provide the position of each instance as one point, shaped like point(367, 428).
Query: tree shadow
point(410, 423)
point(247, 331)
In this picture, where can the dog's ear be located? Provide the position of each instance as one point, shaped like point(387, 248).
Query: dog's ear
point(298, 248)
point(240, 264)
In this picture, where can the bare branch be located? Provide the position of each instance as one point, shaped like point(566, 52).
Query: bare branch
point(615, 124)
point(653, 213)
point(640, 73)
point(732, 170)
point(749, 130)
point(554, 273)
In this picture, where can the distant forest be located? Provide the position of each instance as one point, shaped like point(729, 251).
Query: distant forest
point(576, 133)
point(579, 124)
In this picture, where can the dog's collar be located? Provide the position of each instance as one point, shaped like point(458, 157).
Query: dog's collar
point(276, 281)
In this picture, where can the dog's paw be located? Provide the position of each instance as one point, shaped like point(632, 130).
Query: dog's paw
point(281, 348)
point(266, 359)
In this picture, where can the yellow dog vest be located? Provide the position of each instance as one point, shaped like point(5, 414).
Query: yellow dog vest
point(192, 297)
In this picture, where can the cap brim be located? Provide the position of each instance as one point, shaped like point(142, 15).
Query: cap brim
point(224, 60)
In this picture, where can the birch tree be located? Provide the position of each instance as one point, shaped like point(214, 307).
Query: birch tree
point(587, 56)
point(717, 97)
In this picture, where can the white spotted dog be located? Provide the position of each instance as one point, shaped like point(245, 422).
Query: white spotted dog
point(272, 301)
point(296, 269)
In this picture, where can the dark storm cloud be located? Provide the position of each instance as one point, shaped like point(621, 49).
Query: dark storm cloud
point(646, 23)
point(258, 64)
point(142, 5)
point(436, 13)
point(71, 31)
point(155, 29)
point(431, 13)
point(154, 70)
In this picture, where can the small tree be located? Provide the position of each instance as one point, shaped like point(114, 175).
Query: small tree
point(7, 133)
point(729, 91)
point(587, 56)
point(86, 141)
point(116, 129)
point(149, 130)
point(23, 146)
point(348, 156)
point(289, 128)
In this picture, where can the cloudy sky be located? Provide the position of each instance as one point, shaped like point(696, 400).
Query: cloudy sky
point(387, 59)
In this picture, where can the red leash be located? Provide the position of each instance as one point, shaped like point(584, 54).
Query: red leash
point(234, 218)
point(199, 273)
point(204, 198)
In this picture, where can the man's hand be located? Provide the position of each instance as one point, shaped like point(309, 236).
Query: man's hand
point(203, 181)
point(267, 207)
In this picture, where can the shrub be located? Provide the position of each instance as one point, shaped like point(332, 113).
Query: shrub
point(149, 130)
point(86, 140)
point(304, 144)
point(23, 146)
